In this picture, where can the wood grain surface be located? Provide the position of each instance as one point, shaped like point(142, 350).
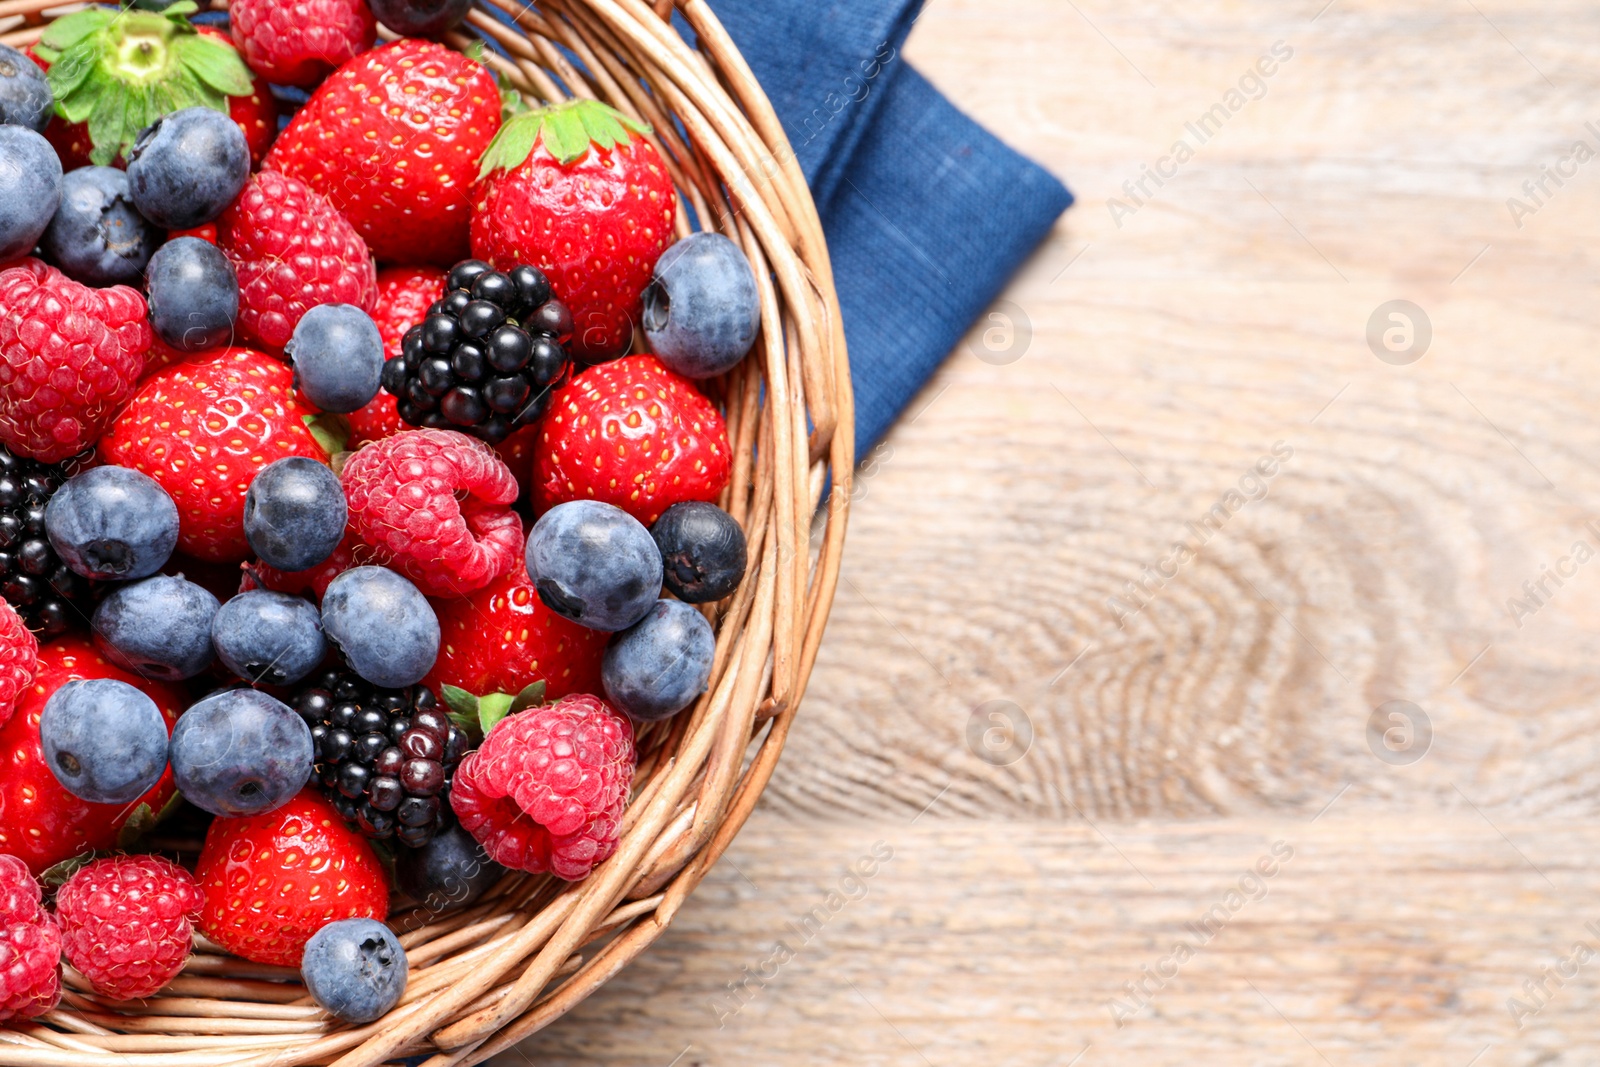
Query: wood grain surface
point(1372, 666)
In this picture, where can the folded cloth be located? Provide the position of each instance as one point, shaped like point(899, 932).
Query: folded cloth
point(927, 214)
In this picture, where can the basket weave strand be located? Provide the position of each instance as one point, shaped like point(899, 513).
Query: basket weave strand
point(488, 976)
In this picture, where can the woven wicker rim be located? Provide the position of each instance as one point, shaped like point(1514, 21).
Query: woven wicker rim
point(488, 976)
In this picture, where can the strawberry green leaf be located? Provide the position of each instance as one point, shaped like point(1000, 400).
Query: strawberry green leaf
point(475, 50)
point(492, 709)
point(106, 126)
point(214, 63)
point(567, 130)
point(460, 701)
point(331, 431)
point(178, 12)
point(138, 824)
point(68, 73)
point(530, 697)
point(59, 875)
point(65, 32)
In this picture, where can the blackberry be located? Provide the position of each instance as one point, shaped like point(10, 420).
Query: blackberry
point(384, 757)
point(49, 595)
point(488, 355)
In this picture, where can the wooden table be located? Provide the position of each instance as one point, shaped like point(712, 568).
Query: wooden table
point(1096, 897)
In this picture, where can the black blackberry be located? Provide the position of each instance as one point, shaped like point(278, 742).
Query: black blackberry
point(488, 355)
point(48, 595)
point(384, 756)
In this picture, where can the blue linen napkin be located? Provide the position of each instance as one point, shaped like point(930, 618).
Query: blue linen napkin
point(926, 213)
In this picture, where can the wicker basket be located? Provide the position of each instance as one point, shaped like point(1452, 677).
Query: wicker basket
point(486, 977)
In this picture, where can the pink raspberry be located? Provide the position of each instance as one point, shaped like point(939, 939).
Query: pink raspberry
point(435, 505)
point(547, 789)
point(69, 357)
point(297, 42)
point(30, 946)
point(127, 923)
point(19, 659)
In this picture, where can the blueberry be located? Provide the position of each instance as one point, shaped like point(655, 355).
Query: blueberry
point(25, 98)
point(104, 740)
point(702, 551)
point(112, 522)
point(594, 564)
point(420, 18)
point(355, 969)
point(241, 752)
point(295, 513)
point(702, 310)
point(451, 871)
point(383, 624)
point(97, 236)
point(30, 189)
point(656, 668)
point(194, 294)
point(338, 357)
point(270, 638)
point(158, 628)
point(187, 167)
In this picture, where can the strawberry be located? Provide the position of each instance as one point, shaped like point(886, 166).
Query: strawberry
point(392, 138)
point(404, 296)
point(271, 881)
point(352, 552)
point(634, 434)
point(148, 64)
point(203, 429)
point(69, 356)
point(502, 639)
point(40, 821)
point(297, 42)
point(577, 192)
point(292, 251)
point(518, 451)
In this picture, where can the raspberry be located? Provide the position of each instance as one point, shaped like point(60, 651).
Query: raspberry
point(547, 789)
point(69, 356)
point(30, 946)
point(292, 251)
point(435, 505)
point(19, 893)
point(19, 659)
point(297, 43)
point(126, 923)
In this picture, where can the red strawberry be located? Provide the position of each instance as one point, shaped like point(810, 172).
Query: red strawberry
point(393, 140)
point(69, 356)
point(518, 451)
point(40, 822)
point(271, 881)
point(574, 190)
point(404, 296)
point(204, 429)
point(297, 43)
point(502, 639)
point(633, 434)
point(350, 553)
point(292, 251)
point(547, 790)
point(435, 505)
point(19, 659)
point(164, 44)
